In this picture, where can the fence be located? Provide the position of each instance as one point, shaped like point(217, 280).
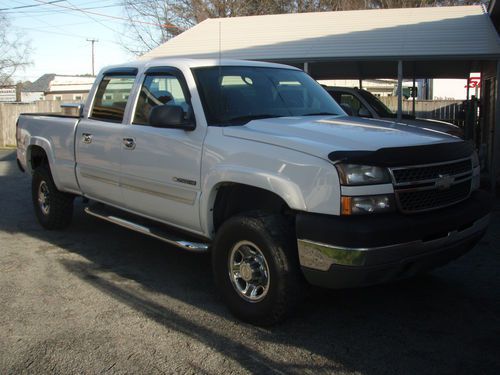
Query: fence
point(9, 112)
point(444, 110)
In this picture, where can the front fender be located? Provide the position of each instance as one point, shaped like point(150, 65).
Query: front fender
point(305, 182)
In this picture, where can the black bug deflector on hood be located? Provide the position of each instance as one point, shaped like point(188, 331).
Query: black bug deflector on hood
point(411, 155)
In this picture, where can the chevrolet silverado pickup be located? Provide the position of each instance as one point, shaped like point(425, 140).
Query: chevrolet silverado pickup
point(256, 163)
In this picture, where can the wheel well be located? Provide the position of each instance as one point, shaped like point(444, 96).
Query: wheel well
point(233, 199)
point(38, 157)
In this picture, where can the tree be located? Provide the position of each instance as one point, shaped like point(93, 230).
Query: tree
point(153, 22)
point(14, 51)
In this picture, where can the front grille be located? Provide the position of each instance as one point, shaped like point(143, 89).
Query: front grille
point(423, 200)
point(429, 187)
point(423, 173)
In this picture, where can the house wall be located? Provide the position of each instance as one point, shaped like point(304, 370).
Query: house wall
point(28, 97)
point(67, 96)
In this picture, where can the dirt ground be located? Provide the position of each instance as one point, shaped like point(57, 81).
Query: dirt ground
point(97, 298)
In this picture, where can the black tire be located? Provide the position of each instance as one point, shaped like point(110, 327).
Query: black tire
point(274, 237)
point(57, 210)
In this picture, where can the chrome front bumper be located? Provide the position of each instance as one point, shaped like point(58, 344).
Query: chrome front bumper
point(321, 257)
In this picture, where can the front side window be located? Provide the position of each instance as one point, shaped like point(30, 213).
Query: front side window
point(358, 108)
point(111, 98)
point(158, 90)
point(379, 107)
point(234, 95)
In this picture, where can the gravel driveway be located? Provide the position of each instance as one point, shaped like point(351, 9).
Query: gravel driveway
point(97, 298)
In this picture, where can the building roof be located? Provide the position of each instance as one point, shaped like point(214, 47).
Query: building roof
point(42, 84)
point(55, 83)
point(409, 33)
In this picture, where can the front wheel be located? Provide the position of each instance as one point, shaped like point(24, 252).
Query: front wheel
point(256, 267)
point(53, 208)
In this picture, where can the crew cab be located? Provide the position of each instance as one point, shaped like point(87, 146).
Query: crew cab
point(362, 103)
point(257, 164)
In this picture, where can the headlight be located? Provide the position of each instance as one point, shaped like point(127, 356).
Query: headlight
point(368, 204)
point(354, 174)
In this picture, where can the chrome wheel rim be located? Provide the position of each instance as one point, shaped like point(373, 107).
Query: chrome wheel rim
point(43, 197)
point(249, 271)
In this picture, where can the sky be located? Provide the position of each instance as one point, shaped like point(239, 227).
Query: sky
point(59, 35)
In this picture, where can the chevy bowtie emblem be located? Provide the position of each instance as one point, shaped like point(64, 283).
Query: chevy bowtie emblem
point(444, 181)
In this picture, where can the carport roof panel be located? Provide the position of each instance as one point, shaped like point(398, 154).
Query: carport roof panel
point(459, 32)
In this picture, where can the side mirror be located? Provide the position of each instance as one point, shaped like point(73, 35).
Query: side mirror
point(170, 117)
point(347, 108)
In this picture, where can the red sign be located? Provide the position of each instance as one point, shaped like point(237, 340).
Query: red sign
point(474, 82)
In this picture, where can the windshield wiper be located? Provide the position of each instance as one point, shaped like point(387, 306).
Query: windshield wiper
point(241, 120)
point(321, 114)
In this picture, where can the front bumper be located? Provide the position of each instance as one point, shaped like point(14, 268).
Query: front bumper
point(342, 252)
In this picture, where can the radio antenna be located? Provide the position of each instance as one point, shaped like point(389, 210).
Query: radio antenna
point(221, 106)
point(220, 43)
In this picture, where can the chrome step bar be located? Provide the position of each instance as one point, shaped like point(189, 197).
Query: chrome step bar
point(158, 233)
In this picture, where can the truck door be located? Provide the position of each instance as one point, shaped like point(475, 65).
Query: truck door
point(99, 137)
point(161, 167)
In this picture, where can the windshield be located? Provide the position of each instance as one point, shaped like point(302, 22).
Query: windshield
point(235, 95)
point(377, 105)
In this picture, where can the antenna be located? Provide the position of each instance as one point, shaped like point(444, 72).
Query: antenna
point(220, 72)
point(220, 43)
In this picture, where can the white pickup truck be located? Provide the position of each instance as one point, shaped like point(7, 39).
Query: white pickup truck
point(256, 163)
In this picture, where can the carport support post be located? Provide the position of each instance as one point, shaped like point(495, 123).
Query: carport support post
point(496, 135)
point(306, 67)
point(400, 90)
point(413, 97)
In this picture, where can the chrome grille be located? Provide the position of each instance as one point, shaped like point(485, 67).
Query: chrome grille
point(431, 172)
point(428, 187)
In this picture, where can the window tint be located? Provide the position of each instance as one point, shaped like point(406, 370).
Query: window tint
point(158, 90)
point(234, 95)
point(111, 98)
point(358, 109)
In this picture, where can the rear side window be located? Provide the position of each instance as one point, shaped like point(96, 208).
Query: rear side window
point(158, 90)
point(111, 98)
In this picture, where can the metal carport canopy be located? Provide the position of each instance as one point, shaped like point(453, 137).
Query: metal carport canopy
point(446, 42)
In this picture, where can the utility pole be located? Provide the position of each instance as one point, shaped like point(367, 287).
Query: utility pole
point(92, 41)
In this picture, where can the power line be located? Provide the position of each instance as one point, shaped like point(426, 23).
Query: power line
point(109, 16)
point(34, 5)
point(52, 11)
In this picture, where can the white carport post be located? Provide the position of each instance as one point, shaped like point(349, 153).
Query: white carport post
point(400, 90)
point(496, 135)
point(306, 67)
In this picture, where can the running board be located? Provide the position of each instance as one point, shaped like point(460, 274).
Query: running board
point(158, 233)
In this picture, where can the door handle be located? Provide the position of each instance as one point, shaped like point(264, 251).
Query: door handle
point(87, 138)
point(129, 143)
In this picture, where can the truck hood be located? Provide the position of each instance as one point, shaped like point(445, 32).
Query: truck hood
point(320, 135)
point(432, 124)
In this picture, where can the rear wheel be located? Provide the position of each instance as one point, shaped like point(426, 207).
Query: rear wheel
point(256, 267)
point(53, 208)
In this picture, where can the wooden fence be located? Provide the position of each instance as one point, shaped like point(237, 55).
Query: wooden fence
point(444, 110)
point(9, 112)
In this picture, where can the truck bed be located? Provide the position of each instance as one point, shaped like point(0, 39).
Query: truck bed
point(55, 133)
